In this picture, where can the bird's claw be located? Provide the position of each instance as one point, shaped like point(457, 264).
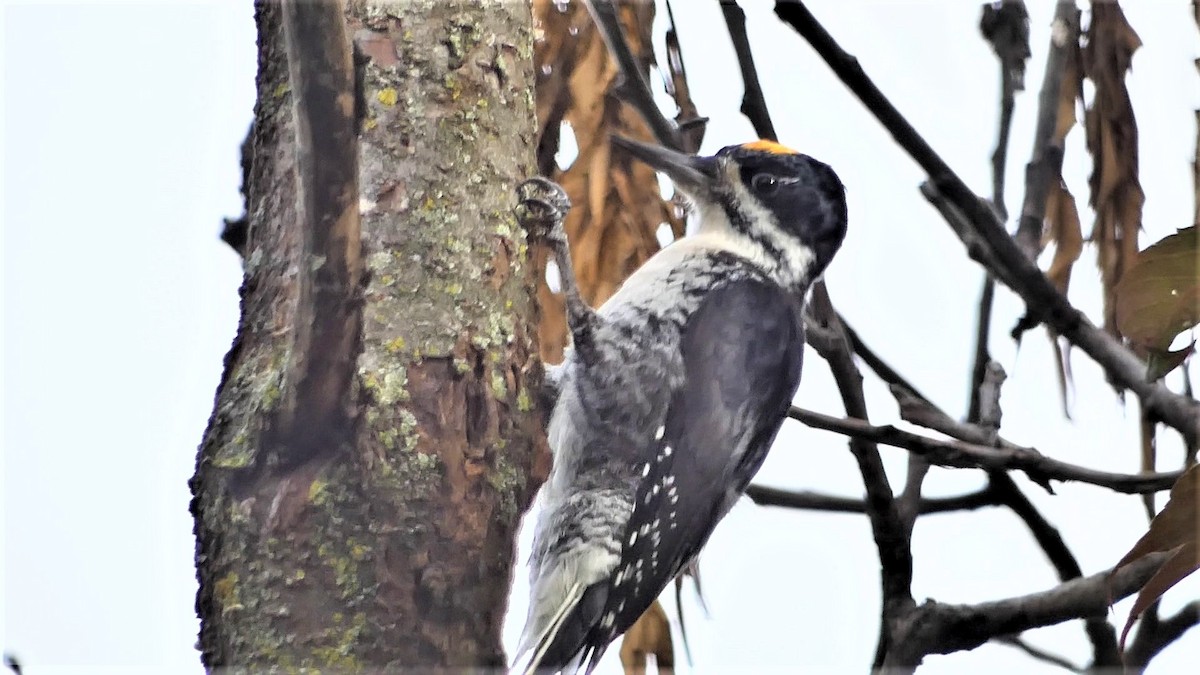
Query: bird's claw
point(542, 205)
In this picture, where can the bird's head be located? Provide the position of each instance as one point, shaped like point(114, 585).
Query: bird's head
point(787, 204)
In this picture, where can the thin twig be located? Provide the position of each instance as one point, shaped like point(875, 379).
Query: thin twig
point(818, 501)
point(754, 106)
point(1099, 631)
point(632, 87)
point(1037, 652)
point(1005, 26)
point(1009, 263)
point(964, 455)
point(691, 125)
point(876, 363)
point(983, 330)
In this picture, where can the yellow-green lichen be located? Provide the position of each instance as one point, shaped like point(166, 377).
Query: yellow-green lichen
point(388, 96)
point(524, 400)
point(226, 591)
point(345, 569)
point(379, 261)
point(507, 480)
point(234, 456)
point(317, 491)
point(395, 345)
point(408, 429)
point(389, 384)
point(499, 386)
point(339, 656)
point(270, 396)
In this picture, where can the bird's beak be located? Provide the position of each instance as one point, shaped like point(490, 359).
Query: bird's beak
point(694, 175)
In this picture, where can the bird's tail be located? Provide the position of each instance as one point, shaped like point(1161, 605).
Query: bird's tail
point(563, 643)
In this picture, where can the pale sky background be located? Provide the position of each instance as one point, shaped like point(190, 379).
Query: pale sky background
point(121, 129)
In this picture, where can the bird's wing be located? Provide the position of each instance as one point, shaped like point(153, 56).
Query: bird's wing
point(742, 352)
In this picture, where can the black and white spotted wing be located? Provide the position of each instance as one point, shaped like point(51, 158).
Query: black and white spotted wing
point(742, 352)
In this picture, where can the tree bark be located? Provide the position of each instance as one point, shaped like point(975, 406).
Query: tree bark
point(379, 531)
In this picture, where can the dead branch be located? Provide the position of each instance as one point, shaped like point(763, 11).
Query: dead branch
point(1006, 260)
point(1154, 634)
point(817, 501)
point(632, 87)
point(754, 105)
point(964, 455)
point(825, 334)
point(1045, 162)
point(940, 628)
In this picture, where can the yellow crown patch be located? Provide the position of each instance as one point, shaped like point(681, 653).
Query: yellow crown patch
point(771, 147)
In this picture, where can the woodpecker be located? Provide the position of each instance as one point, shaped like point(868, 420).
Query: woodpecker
point(673, 390)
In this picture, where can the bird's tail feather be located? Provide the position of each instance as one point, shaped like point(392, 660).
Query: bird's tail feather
point(562, 643)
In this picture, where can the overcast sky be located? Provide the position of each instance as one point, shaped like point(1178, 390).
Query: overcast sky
point(121, 127)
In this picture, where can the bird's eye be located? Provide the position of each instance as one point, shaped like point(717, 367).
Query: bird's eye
point(764, 183)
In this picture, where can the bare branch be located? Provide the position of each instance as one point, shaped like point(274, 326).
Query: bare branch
point(1155, 634)
point(1007, 261)
point(817, 501)
point(1099, 631)
point(754, 106)
point(691, 125)
point(1006, 27)
point(963, 455)
point(826, 335)
point(937, 628)
point(1045, 163)
point(908, 504)
point(633, 87)
point(876, 363)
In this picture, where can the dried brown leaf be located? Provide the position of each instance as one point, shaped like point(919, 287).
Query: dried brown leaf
point(617, 204)
point(1064, 229)
point(1061, 225)
point(1176, 528)
point(650, 634)
point(1116, 194)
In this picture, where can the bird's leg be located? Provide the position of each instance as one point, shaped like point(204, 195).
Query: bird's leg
point(541, 210)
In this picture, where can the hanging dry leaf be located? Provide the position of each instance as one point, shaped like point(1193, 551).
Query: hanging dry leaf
point(649, 635)
point(617, 204)
point(1116, 194)
point(1177, 529)
point(1062, 226)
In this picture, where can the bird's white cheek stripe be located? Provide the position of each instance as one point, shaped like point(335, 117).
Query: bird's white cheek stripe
point(797, 257)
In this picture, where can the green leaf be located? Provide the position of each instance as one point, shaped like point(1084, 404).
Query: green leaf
point(1159, 297)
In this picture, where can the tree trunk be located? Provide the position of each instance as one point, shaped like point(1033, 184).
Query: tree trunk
point(376, 434)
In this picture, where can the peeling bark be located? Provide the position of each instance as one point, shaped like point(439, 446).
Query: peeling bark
point(389, 541)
